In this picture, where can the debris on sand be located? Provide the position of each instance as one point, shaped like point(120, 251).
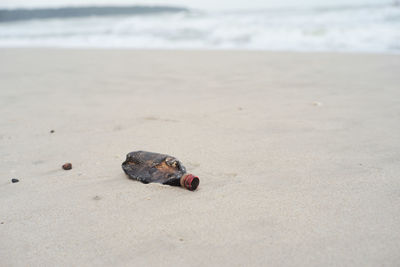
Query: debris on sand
point(67, 166)
point(317, 104)
point(149, 167)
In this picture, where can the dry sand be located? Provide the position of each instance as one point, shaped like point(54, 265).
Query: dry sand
point(298, 156)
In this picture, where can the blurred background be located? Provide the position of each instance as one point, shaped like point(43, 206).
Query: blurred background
point(286, 25)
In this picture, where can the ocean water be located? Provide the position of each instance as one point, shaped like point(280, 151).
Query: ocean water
point(370, 28)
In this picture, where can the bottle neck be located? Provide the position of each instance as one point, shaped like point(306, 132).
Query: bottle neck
point(189, 181)
point(182, 180)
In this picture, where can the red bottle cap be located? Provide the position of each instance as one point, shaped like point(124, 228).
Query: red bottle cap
point(190, 182)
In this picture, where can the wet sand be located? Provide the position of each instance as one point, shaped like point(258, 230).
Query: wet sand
point(298, 156)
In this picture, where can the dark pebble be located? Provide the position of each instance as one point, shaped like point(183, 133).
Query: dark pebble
point(52, 131)
point(67, 166)
point(14, 180)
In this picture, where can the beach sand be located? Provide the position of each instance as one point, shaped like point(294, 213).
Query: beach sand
point(298, 156)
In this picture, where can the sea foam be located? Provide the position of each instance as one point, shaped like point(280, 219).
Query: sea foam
point(347, 29)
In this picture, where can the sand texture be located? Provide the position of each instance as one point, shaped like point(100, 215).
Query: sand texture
point(298, 156)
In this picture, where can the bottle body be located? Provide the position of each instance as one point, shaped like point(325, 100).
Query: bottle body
point(149, 167)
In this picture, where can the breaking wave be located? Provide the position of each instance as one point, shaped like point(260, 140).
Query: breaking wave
point(353, 29)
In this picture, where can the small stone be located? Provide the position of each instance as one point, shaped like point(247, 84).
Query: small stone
point(317, 104)
point(52, 131)
point(14, 180)
point(96, 198)
point(2, 223)
point(67, 166)
point(181, 239)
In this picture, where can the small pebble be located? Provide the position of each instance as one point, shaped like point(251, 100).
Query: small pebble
point(67, 166)
point(14, 180)
point(52, 131)
point(317, 104)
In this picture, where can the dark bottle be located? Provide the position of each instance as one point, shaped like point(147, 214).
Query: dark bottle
point(149, 167)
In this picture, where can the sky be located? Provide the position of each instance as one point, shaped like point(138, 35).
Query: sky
point(202, 4)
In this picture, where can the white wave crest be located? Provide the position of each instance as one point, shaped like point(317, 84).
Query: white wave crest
point(363, 29)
